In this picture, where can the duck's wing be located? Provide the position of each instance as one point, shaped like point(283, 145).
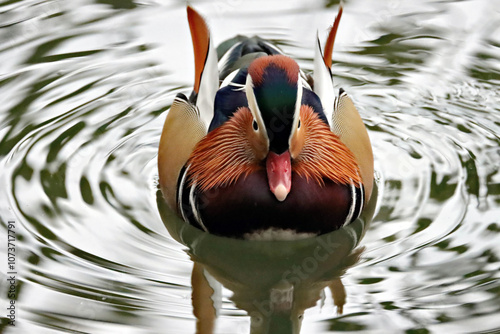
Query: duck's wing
point(182, 130)
point(188, 119)
point(340, 111)
point(348, 125)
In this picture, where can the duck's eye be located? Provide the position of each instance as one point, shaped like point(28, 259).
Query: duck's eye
point(255, 125)
point(298, 126)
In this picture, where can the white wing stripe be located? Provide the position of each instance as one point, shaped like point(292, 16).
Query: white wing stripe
point(353, 204)
point(180, 190)
point(194, 207)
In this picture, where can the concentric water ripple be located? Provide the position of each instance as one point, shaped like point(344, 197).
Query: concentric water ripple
point(85, 89)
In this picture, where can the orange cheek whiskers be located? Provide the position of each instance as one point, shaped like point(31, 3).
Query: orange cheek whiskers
point(224, 155)
point(323, 154)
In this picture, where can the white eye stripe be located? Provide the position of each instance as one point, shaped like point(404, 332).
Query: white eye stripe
point(296, 115)
point(254, 108)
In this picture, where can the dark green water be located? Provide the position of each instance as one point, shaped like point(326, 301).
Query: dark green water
point(84, 90)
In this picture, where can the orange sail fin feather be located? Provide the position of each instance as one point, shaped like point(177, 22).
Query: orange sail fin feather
point(225, 154)
point(331, 39)
point(323, 154)
point(201, 40)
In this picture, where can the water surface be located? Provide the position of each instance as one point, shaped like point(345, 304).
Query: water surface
point(85, 87)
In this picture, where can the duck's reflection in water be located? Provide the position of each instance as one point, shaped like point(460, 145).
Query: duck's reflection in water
point(273, 281)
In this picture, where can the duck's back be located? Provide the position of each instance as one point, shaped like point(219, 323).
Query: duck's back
point(238, 52)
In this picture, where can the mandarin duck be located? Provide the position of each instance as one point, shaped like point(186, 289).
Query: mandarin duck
point(259, 148)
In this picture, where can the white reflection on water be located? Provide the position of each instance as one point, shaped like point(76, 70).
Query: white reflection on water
point(85, 87)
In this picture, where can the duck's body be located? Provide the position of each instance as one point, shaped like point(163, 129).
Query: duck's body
point(264, 150)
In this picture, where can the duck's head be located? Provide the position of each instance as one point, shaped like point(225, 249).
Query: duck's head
point(274, 95)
